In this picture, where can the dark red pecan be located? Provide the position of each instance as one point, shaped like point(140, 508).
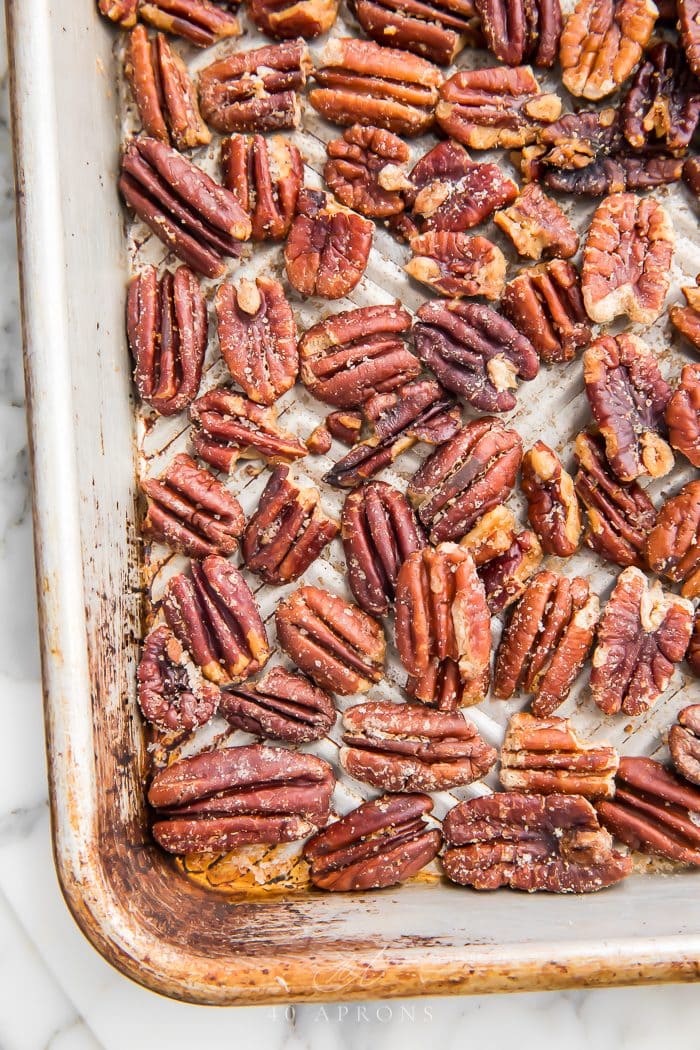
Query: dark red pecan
point(287, 532)
point(686, 319)
point(366, 171)
point(409, 747)
point(255, 90)
point(662, 107)
point(124, 12)
point(615, 174)
point(333, 641)
point(172, 691)
point(691, 175)
point(537, 226)
point(280, 705)
point(551, 501)
point(258, 337)
point(546, 305)
point(198, 220)
point(191, 511)
point(166, 325)
point(673, 545)
point(457, 264)
point(237, 796)
point(690, 32)
point(684, 743)
point(643, 633)
point(327, 248)
point(505, 557)
point(227, 426)
point(520, 31)
point(199, 21)
point(440, 686)
point(345, 426)
point(214, 616)
point(435, 29)
point(381, 843)
point(287, 19)
point(693, 651)
point(265, 176)
point(683, 415)
point(530, 842)
point(602, 42)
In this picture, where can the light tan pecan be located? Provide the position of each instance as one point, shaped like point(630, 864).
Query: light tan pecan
point(520, 31)
point(228, 427)
point(288, 19)
point(683, 415)
point(265, 176)
point(201, 22)
point(281, 705)
point(457, 264)
point(686, 319)
point(684, 743)
point(172, 692)
point(545, 303)
point(537, 226)
point(435, 29)
point(505, 556)
point(328, 247)
point(552, 506)
point(673, 545)
point(602, 42)
point(319, 440)
point(366, 170)
point(124, 12)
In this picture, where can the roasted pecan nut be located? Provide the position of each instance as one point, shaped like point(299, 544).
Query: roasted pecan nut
point(684, 743)
point(359, 82)
point(327, 248)
point(191, 511)
point(546, 305)
point(172, 692)
point(258, 337)
point(440, 686)
point(505, 558)
point(643, 633)
point(537, 226)
point(124, 12)
point(687, 318)
point(345, 426)
point(353, 355)
point(485, 108)
point(520, 31)
point(662, 107)
point(166, 326)
point(456, 264)
point(227, 426)
point(546, 756)
point(466, 477)
point(198, 220)
point(337, 644)
point(288, 19)
point(408, 747)
point(319, 440)
point(215, 617)
point(475, 352)
point(255, 90)
point(654, 811)
point(280, 705)
point(379, 531)
point(691, 175)
point(693, 651)
point(546, 641)
point(435, 29)
point(673, 545)
point(602, 42)
point(530, 842)
point(366, 171)
point(690, 32)
point(627, 260)
point(287, 532)
point(683, 415)
point(199, 21)
point(551, 501)
point(265, 176)
point(628, 398)
point(237, 796)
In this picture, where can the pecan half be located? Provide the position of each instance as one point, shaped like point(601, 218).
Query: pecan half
point(280, 705)
point(255, 90)
point(365, 170)
point(124, 12)
point(551, 501)
point(237, 796)
point(265, 176)
point(537, 226)
point(191, 511)
point(505, 558)
point(408, 747)
point(435, 29)
point(337, 644)
point(166, 325)
point(215, 617)
point(530, 842)
point(457, 264)
point(643, 633)
point(228, 427)
point(628, 398)
point(520, 31)
point(683, 415)
point(627, 260)
point(690, 32)
point(199, 21)
point(327, 248)
point(258, 337)
point(686, 319)
point(662, 107)
point(475, 352)
point(546, 305)
point(602, 42)
point(198, 220)
point(673, 545)
point(287, 532)
point(684, 743)
point(379, 531)
point(172, 691)
point(345, 426)
point(287, 19)
point(546, 641)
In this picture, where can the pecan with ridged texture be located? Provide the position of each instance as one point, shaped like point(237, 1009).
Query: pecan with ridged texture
point(228, 427)
point(691, 175)
point(643, 633)
point(198, 220)
point(684, 743)
point(409, 747)
point(689, 26)
point(546, 641)
point(441, 614)
point(333, 641)
point(366, 171)
point(256, 90)
point(456, 264)
point(520, 31)
point(288, 19)
point(328, 247)
point(440, 686)
point(552, 506)
point(215, 617)
point(166, 324)
point(287, 532)
point(258, 337)
point(537, 226)
point(201, 22)
point(265, 176)
point(486, 108)
point(172, 692)
point(465, 478)
point(123, 12)
point(192, 511)
point(505, 557)
point(474, 351)
point(345, 426)
point(353, 355)
point(673, 545)
point(530, 842)
point(686, 319)
point(662, 107)
point(602, 42)
point(359, 82)
point(628, 398)
point(435, 29)
point(546, 756)
point(654, 811)
point(546, 305)
point(238, 796)
point(379, 531)
point(683, 415)
point(281, 705)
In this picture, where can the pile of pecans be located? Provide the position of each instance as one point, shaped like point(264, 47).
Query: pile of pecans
point(439, 566)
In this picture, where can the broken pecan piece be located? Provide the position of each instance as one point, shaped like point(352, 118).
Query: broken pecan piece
point(124, 12)
point(280, 705)
point(684, 743)
point(505, 558)
point(172, 692)
point(537, 226)
point(520, 31)
point(551, 501)
point(288, 19)
point(265, 176)
point(435, 29)
point(662, 107)
point(408, 747)
point(602, 42)
point(546, 305)
point(365, 171)
point(345, 426)
point(643, 633)
point(690, 32)
point(693, 652)
point(327, 248)
point(199, 21)
point(686, 319)
point(673, 545)
point(456, 264)
point(228, 427)
point(683, 415)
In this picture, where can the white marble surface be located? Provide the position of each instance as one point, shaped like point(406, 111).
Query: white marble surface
point(56, 991)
